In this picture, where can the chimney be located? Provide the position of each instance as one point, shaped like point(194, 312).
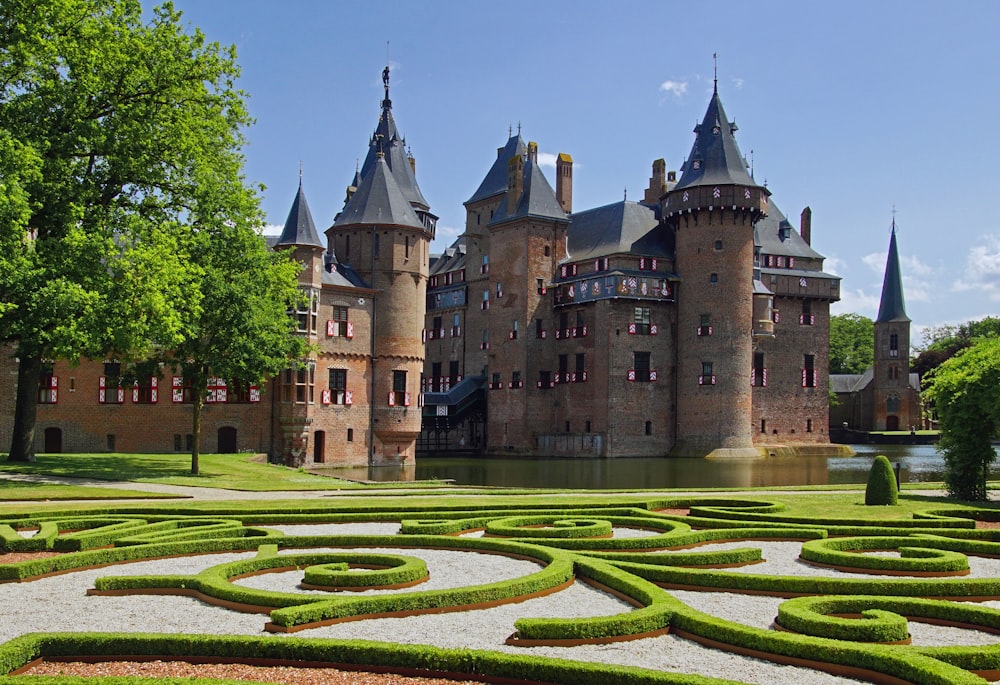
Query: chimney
point(351, 189)
point(657, 183)
point(515, 182)
point(564, 182)
point(805, 225)
point(533, 151)
point(499, 152)
point(413, 164)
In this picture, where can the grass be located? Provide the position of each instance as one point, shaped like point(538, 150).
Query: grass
point(19, 491)
point(226, 471)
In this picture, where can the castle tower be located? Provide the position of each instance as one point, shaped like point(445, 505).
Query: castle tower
point(383, 235)
point(892, 350)
point(712, 211)
point(293, 419)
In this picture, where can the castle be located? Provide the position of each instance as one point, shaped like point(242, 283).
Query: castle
point(693, 322)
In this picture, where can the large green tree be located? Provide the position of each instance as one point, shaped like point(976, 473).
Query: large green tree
point(121, 129)
point(943, 342)
point(965, 393)
point(852, 343)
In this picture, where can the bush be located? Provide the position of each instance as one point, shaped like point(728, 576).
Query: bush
point(881, 488)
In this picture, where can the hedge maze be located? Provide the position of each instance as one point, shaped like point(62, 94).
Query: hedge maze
point(850, 615)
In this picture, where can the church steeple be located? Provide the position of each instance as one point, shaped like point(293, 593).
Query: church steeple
point(892, 307)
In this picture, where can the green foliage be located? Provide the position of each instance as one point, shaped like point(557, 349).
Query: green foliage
point(965, 392)
point(121, 132)
point(941, 343)
point(852, 343)
point(881, 488)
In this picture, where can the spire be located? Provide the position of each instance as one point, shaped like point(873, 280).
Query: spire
point(495, 181)
point(299, 226)
point(892, 308)
point(715, 157)
point(378, 200)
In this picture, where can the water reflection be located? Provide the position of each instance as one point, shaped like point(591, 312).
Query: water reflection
point(918, 463)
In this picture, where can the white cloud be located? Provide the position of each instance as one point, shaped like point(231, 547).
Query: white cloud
point(856, 302)
point(444, 237)
point(738, 83)
point(547, 159)
point(834, 265)
point(675, 88)
point(917, 276)
point(982, 269)
point(271, 229)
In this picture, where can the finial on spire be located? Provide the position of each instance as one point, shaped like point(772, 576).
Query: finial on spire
point(715, 68)
point(519, 128)
point(893, 230)
point(300, 172)
point(751, 162)
point(510, 130)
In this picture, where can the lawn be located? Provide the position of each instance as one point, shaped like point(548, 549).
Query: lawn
point(19, 491)
point(226, 471)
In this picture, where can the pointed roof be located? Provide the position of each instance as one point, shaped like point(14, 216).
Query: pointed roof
point(392, 145)
point(378, 200)
point(715, 157)
point(892, 307)
point(495, 182)
point(537, 198)
point(299, 226)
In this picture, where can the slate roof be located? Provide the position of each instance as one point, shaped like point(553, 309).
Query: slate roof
point(452, 259)
point(768, 235)
point(843, 383)
point(537, 198)
point(495, 182)
point(715, 157)
point(300, 229)
point(387, 140)
point(616, 228)
point(378, 200)
point(892, 307)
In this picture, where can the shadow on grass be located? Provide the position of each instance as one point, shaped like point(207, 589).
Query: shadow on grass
point(115, 467)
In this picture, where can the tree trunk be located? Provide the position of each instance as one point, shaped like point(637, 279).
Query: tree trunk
point(22, 447)
point(199, 402)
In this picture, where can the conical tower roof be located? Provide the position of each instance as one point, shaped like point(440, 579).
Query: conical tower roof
point(378, 200)
point(392, 145)
point(300, 229)
point(715, 157)
point(537, 198)
point(892, 307)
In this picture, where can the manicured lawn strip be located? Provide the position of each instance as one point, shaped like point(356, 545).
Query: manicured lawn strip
point(883, 617)
point(26, 491)
point(429, 660)
point(228, 471)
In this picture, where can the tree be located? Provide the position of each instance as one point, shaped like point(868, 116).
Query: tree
point(242, 332)
point(943, 342)
point(965, 392)
point(119, 124)
point(852, 343)
point(881, 488)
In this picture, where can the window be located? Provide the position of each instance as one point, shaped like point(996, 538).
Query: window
point(499, 290)
point(581, 364)
point(350, 435)
point(436, 330)
point(563, 375)
point(894, 374)
point(758, 375)
point(484, 268)
point(545, 379)
point(109, 385)
point(649, 428)
point(513, 330)
point(640, 325)
point(486, 299)
point(713, 278)
point(707, 376)
point(304, 381)
point(456, 325)
point(718, 245)
point(807, 318)
point(218, 390)
point(399, 397)
point(306, 313)
point(640, 366)
point(454, 378)
point(48, 386)
point(181, 390)
point(581, 328)
point(144, 390)
point(891, 404)
point(563, 331)
point(485, 344)
point(338, 386)
point(495, 382)
point(809, 374)
point(243, 393)
point(339, 326)
point(893, 345)
point(515, 379)
point(436, 377)
point(540, 284)
point(547, 251)
point(539, 328)
point(705, 324)
point(406, 252)
point(586, 426)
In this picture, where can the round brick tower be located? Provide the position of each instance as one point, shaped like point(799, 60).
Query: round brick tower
point(383, 235)
point(712, 211)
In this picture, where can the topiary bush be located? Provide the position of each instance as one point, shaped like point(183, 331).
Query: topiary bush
point(881, 488)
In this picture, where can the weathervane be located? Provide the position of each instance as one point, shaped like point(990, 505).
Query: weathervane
point(715, 69)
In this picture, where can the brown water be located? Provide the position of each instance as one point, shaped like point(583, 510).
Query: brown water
point(917, 463)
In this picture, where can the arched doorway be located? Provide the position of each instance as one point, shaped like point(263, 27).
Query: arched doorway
point(319, 447)
point(53, 440)
point(227, 440)
point(892, 423)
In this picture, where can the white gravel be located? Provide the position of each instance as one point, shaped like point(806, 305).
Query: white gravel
point(59, 603)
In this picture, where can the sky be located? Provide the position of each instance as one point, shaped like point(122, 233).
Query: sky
point(867, 112)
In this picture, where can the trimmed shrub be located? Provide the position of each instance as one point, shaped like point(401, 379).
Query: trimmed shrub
point(881, 488)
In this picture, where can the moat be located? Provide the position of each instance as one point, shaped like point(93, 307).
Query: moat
point(917, 463)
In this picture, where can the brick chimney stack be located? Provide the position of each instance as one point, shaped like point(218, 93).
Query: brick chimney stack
point(515, 182)
point(805, 225)
point(564, 182)
point(657, 183)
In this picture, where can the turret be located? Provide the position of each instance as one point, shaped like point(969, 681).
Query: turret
point(712, 210)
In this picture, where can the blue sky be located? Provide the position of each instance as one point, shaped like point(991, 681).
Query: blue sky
point(851, 108)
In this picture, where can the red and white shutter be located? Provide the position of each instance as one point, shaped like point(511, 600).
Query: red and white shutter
point(177, 389)
point(135, 392)
point(631, 375)
point(406, 399)
point(753, 377)
point(392, 399)
point(254, 393)
point(154, 385)
point(331, 328)
point(652, 375)
point(653, 329)
point(326, 397)
point(765, 378)
point(102, 390)
point(348, 397)
point(804, 378)
point(53, 389)
point(632, 329)
point(350, 330)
